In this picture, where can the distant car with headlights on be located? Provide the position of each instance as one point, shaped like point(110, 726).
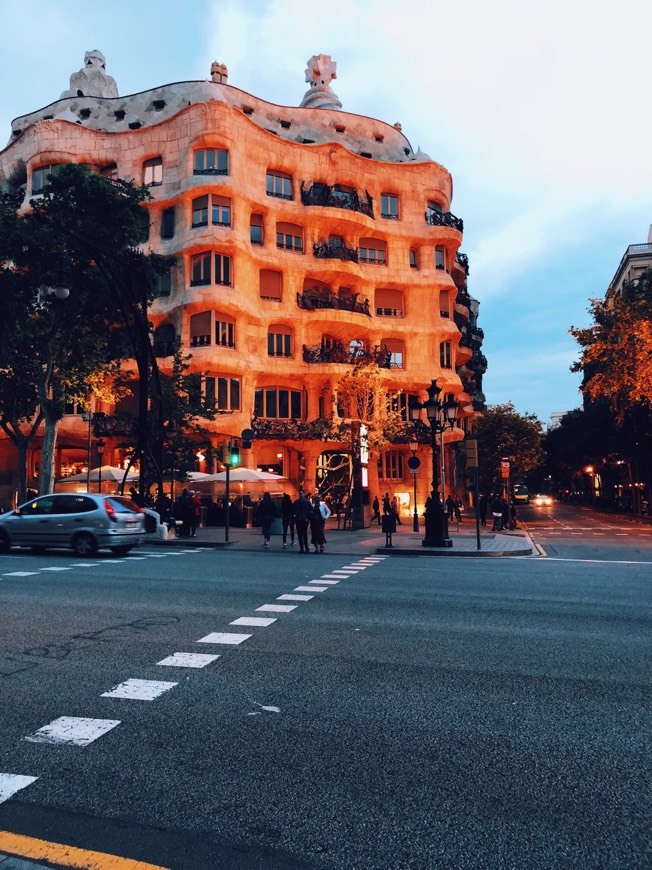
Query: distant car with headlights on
point(82, 522)
point(542, 500)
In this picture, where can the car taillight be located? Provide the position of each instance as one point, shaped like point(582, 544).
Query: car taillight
point(110, 511)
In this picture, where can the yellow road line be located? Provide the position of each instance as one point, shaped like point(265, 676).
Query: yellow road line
point(67, 856)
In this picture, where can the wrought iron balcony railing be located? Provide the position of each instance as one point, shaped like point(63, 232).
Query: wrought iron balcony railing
point(444, 219)
point(311, 300)
point(478, 362)
point(339, 353)
point(325, 251)
point(463, 261)
point(337, 197)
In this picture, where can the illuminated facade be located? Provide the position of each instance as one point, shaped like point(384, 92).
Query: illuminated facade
point(306, 239)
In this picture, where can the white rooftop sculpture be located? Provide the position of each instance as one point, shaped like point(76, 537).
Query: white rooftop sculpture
point(320, 73)
point(91, 80)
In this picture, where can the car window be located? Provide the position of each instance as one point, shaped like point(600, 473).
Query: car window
point(37, 507)
point(123, 505)
point(69, 503)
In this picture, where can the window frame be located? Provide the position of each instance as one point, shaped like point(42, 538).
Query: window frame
point(283, 180)
point(221, 156)
point(389, 206)
point(153, 164)
point(445, 355)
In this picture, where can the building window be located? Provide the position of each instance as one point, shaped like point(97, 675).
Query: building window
point(440, 257)
point(289, 237)
point(388, 302)
point(373, 251)
point(445, 304)
point(223, 391)
point(414, 259)
point(433, 208)
point(390, 465)
point(389, 206)
point(224, 331)
point(211, 161)
point(396, 349)
point(220, 210)
point(271, 284)
point(256, 229)
point(278, 404)
point(279, 184)
point(445, 355)
point(223, 270)
point(279, 341)
point(200, 269)
point(153, 172)
point(399, 403)
point(164, 285)
point(167, 224)
point(200, 329)
point(41, 176)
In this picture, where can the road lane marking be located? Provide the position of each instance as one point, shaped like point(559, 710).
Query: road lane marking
point(67, 856)
point(599, 561)
point(10, 783)
point(188, 660)
point(254, 621)
point(57, 569)
point(139, 690)
point(75, 730)
point(224, 637)
point(295, 597)
point(277, 608)
point(20, 574)
point(310, 588)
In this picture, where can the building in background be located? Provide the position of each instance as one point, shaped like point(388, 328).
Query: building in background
point(307, 240)
point(635, 261)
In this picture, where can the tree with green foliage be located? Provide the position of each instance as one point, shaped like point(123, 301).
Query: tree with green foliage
point(504, 433)
point(84, 231)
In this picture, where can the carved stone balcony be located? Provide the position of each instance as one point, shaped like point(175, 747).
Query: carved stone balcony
point(335, 252)
point(444, 219)
point(323, 297)
point(338, 353)
point(477, 363)
point(337, 197)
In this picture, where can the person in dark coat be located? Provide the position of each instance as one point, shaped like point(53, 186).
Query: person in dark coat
point(320, 513)
point(450, 507)
point(193, 513)
point(287, 518)
point(482, 509)
point(375, 506)
point(266, 514)
point(497, 507)
point(302, 510)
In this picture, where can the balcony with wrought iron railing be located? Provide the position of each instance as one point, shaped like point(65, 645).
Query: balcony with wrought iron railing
point(339, 353)
point(323, 297)
point(444, 219)
point(327, 251)
point(337, 197)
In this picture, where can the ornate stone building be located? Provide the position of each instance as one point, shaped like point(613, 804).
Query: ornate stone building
point(306, 240)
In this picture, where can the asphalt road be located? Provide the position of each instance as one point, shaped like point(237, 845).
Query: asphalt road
point(418, 713)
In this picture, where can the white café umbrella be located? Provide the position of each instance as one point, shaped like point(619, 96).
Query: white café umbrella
point(245, 475)
point(109, 474)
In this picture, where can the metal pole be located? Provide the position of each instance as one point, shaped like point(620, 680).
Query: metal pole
point(88, 470)
point(227, 505)
point(415, 520)
point(476, 498)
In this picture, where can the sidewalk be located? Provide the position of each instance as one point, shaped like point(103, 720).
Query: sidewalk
point(364, 541)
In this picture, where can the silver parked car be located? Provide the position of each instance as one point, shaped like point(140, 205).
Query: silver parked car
point(83, 522)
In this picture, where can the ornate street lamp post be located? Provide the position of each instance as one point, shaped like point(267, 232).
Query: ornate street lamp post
point(100, 452)
point(439, 415)
point(414, 446)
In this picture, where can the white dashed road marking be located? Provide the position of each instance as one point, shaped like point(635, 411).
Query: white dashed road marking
point(10, 783)
point(224, 637)
point(322, 582)
point(188, 660)
point(277, 608)
point(295, 597)
point(310, 588)
point(139, 690)
point(57, 569)
point(75, 730)
point(20, 574)
point(254, 621)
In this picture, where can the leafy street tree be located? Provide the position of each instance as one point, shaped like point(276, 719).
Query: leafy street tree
point(84, 231)
point(616, 358)
point(503, 432)
point(362, 396)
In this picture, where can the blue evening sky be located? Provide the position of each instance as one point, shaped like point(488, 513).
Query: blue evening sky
point(538, 109)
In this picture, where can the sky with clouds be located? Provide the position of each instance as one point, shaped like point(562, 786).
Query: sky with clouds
point(540, 110)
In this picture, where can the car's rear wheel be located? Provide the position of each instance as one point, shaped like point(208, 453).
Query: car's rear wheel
point(84, 544)
point(4, 542)
point(121, 551)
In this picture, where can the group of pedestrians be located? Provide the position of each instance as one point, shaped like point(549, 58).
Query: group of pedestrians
point(390, 508)
point(187, 513)
point(296, 518)
point(503, 513)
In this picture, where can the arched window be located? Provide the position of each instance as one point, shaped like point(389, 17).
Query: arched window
point(153, 172)
point(211, 161)
point(212, 328)
point(289, 237)
point(41, 176)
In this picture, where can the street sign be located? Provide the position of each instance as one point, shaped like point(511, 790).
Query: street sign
point(414, 471)
point(413, 463)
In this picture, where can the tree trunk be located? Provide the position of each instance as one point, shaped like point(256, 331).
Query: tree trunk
point(46, 477)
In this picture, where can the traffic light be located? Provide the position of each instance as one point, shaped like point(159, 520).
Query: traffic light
point(234, 456)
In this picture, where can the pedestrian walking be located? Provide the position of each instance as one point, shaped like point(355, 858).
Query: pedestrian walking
point(458, 510)
point(320, 513)
point(375, 506)
point(301, 511)
point(450, 506)
point(287, 519)
point(482, 509)
point(267, 515)
point(496, 508)
point(395, 510)
point(192, 510)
